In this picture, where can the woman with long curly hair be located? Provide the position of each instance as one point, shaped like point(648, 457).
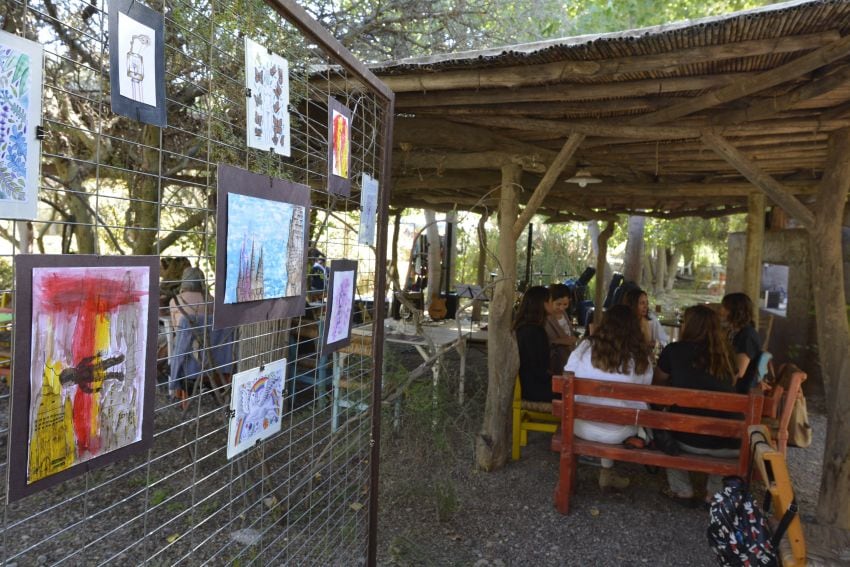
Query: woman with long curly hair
point(701, 360)
point(651, 328)
point(615, 352)
point(736, 312)
point(535, 376)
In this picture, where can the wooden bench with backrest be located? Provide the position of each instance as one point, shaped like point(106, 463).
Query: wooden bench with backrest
point(570, 447)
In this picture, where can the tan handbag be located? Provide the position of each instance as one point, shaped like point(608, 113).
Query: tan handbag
point(799, 429)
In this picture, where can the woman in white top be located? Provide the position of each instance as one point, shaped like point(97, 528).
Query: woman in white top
point(651, 327)
point(616, 352)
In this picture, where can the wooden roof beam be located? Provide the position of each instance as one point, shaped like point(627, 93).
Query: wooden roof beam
point(761, 109)
point(549, 178)
point(749, 169)
point(560, 71)
point(467, 160)
point(567, 93)
point(759, 82)
point(434, 132)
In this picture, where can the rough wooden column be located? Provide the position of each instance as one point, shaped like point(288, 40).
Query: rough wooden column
point(832, 330)
point(480, 275)
point(601, 260)
point(394, 276)
point(755, 248)
point(434, 259)
point(493, 442)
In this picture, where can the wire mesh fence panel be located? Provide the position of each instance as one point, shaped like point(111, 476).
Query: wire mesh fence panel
point(113, 186)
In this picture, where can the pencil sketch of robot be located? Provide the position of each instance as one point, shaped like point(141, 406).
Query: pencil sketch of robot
point(136, 73)
point(136, 64)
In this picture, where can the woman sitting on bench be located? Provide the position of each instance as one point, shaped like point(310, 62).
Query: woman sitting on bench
point(702, 360)
point(615, 352)
point(736, 312)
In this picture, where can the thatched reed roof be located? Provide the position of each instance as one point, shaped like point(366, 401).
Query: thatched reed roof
point(655, 106)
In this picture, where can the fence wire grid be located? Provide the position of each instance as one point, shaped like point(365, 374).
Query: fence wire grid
point(113, 186)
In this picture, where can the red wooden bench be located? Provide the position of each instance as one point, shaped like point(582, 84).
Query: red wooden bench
point(570, 447)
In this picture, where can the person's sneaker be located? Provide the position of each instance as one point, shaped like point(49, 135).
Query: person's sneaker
point(610, 479)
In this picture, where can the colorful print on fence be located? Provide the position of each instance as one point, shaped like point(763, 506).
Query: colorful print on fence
point(20, 113)
point(265, 249)
point(256, 406)
point(87, 376)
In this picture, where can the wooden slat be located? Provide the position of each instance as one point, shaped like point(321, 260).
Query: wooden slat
point(654, 419)
point(699, 463)
point(660, 395)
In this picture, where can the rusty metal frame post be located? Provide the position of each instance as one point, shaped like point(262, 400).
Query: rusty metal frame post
point(307, 25)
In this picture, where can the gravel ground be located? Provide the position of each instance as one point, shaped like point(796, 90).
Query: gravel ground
point(436, 509)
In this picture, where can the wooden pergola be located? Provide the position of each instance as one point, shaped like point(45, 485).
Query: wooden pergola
point(702, 118)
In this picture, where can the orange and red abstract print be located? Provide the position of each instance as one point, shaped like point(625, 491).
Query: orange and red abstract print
point(341, 144)
point(87, 377)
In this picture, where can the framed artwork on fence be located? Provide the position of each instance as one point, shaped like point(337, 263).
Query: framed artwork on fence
point(85, 369)
point(368, 210)
point(137, 62)
point(339, 148)
point(256, 406)
point(261, 249)
point(341, 289)
point(267, 96)
point(20, 112)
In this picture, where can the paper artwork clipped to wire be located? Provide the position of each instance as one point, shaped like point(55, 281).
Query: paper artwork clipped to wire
point(261, 248)
point(83, 392)
point(341, 286)
point(368, 210)
point(256, 406)
point(137, 62)
point(267, 96)
point(339, 148)
point(20, 115)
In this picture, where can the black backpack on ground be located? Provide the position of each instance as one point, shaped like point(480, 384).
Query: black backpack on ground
point(738, 532)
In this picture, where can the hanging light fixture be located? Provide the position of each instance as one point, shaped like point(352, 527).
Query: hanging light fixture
point(583, 178)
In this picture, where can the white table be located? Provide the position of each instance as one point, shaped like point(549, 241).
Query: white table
point(436, 340)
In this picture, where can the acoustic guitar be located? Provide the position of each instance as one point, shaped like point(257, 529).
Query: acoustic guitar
point(437, 309)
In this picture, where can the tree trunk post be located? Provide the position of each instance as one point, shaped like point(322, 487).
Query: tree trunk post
point(480, 274)
point(394, 276)
point(451, 253)
point(601, 262)
point(434, 262)
point(755, 247)
point(833, 333)
point(633, 262)
point(493, 443)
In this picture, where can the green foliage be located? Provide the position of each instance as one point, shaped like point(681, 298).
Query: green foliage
point(6, 275)
point(598, 16)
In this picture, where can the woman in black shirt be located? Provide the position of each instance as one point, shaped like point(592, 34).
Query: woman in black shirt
point(701, 360)
point(535, 377)
point(736, 312)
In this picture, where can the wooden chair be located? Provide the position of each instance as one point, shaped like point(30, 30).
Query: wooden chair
point(773, 471)
point(529, 416)
point(780, 404)
point(350, 384)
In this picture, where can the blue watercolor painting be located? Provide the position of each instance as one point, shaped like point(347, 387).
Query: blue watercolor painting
point(20, 115)
point(265, 249)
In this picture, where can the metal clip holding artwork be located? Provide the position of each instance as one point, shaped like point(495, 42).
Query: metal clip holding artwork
point(229, 413)
point(40, 133)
